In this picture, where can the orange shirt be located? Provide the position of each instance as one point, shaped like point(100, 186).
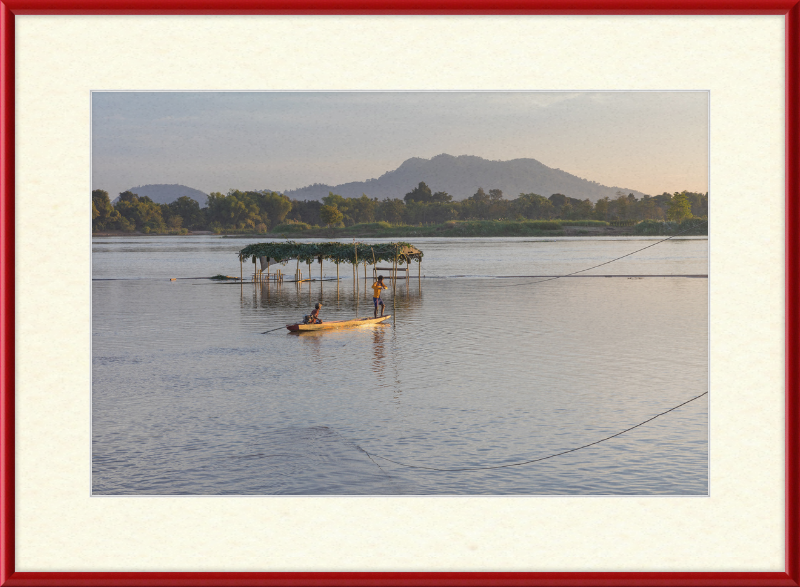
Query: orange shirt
point(377, 287)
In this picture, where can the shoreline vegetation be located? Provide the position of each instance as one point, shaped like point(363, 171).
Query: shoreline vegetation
point(478, 228)
point(420, 213)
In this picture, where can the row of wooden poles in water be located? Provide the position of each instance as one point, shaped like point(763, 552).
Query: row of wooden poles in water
point(259, 276)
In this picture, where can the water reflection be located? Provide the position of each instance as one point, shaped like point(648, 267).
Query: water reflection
point(378, 351)
point(356, 304)
point(468, 375)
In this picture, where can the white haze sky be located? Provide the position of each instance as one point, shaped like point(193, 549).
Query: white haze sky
point(214, 141)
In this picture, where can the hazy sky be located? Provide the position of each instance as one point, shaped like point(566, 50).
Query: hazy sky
point(214, 141)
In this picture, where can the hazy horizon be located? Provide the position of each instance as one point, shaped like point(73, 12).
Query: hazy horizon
point(651, 142)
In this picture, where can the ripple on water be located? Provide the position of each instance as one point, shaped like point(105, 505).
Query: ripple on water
point(189, 397)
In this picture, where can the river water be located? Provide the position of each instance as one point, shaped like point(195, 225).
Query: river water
point(480, 366)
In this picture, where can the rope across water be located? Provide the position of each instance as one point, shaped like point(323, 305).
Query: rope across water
point(536, 460)
point(528, 462)
point(607, 262)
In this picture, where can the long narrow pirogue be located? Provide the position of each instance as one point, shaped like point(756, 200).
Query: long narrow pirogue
point(299, 327)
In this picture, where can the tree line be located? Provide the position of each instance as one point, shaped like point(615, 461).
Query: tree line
point(265, 210)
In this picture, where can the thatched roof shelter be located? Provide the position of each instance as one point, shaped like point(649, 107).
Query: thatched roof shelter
point(336, 252)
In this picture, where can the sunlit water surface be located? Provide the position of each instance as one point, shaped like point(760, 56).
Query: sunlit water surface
point(478, 367)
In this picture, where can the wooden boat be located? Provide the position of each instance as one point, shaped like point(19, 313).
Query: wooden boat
point(336, 324)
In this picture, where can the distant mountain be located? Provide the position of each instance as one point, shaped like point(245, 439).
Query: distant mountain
point(462, 176)
point(162, 193)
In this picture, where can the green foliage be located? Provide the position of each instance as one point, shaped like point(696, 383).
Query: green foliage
point(699, 203)
point(481, 205)
point(679, 208)
point(104, 216)
point(419, 213)
point(391, 210)
point(653, 227)
point(696, 226)
point(500, 228)
point(183, 212)
point(333, 251)
point(449, 228)
point(330, 215)
point(689, 227)
point(382, 225)
point(601, 209)
point(247, 210)
point(291, 226)
point(532, 206)
point(140, 214)
point(305, 211)
point(251, 212)
point(353, 210)
point(583, 223)
point(421, 193)
point(275, 206)
point(234, 210)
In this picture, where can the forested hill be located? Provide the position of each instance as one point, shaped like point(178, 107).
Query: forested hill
point(462, 176)
point(162, 193)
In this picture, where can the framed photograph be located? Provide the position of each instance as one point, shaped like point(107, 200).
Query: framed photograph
point(521, 353)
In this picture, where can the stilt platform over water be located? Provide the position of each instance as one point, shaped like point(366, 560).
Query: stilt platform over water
point(399, 255)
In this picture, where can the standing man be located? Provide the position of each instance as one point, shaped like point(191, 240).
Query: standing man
point(376, 296)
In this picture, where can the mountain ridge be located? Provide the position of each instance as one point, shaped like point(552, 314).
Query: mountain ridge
point(462, 175)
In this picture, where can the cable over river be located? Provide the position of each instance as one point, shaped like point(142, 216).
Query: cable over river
point(190, 397)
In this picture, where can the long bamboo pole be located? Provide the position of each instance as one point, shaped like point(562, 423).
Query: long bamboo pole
point(394, 274)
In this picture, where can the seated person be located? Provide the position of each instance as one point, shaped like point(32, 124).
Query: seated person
point(314, 317)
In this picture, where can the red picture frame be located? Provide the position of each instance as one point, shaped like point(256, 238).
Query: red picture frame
point(790, 9)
